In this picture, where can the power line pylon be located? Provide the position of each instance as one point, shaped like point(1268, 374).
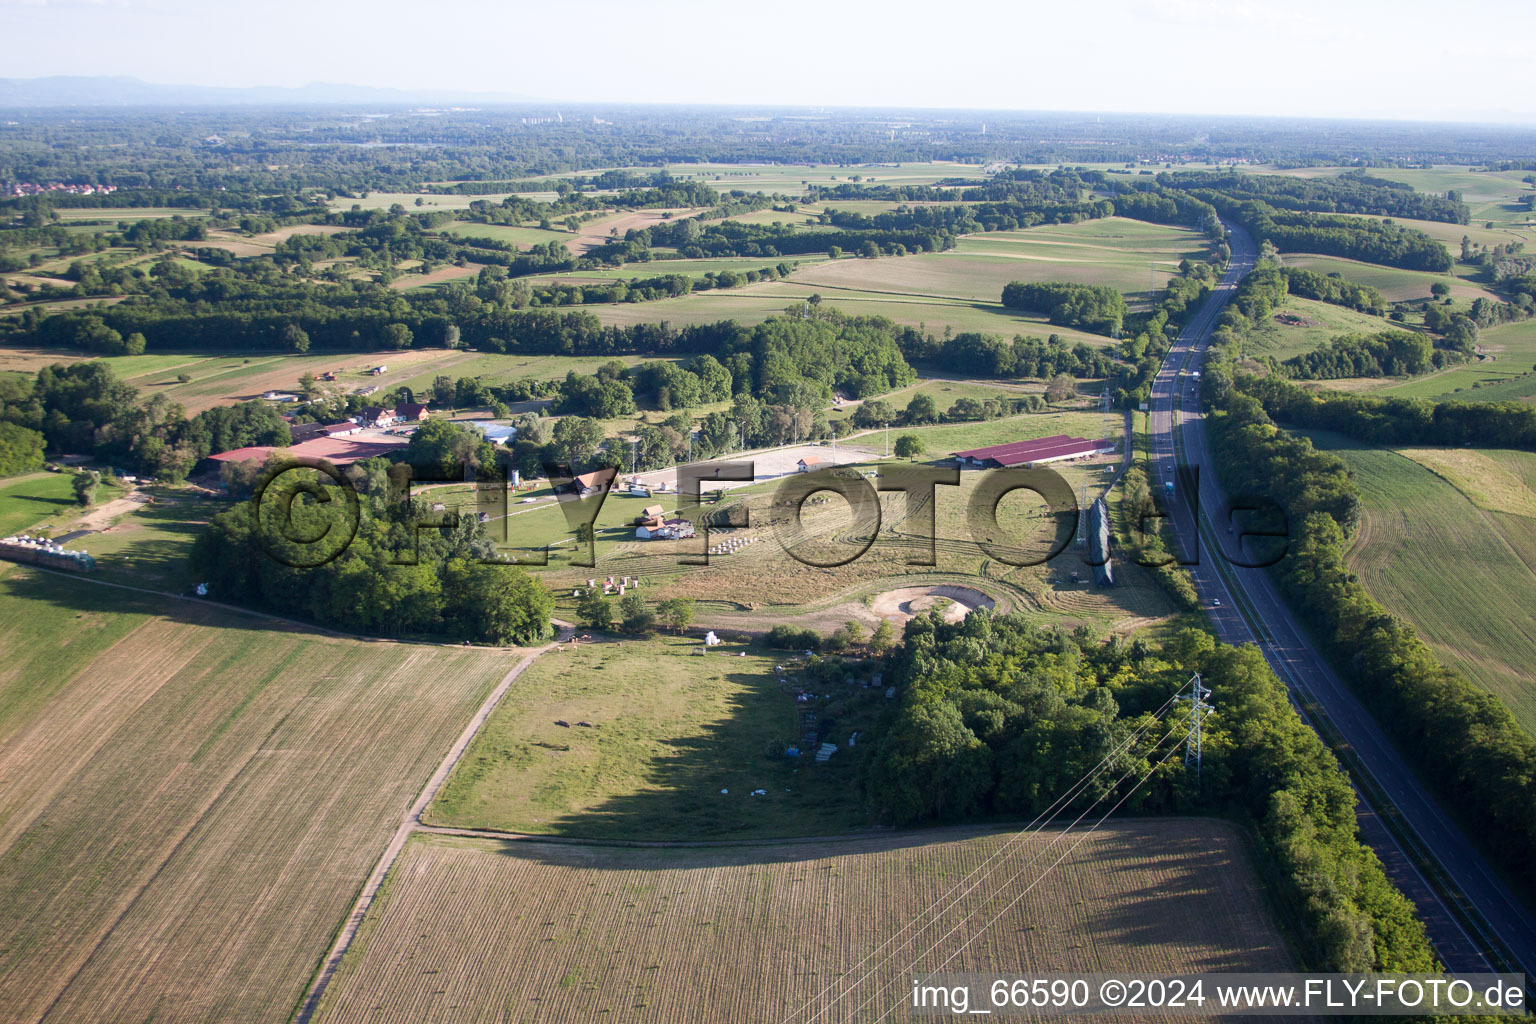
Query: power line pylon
point(1198, 708)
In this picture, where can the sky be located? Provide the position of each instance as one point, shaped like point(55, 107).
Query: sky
point(1404, 59)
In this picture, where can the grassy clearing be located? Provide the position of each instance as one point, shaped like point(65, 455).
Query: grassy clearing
point(520, 236)
point(150, 546)
point(944, 394)
point(1461, 574)
point(35, 499)
point(251, 777)
point(669, 731)
point(1322, 322)
point(557, 935)
point(948, 438)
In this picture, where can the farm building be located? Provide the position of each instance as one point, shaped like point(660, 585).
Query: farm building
point(664, 529)
point(652, 512)
point(1098, 544)
point(1037, 452)
point(339, 451)
point(410, 412)
point(809, 463)
point(301, 432)
point(376, 416)
point(496, 433)
point(589, 483)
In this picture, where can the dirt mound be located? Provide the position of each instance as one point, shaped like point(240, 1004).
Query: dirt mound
point(903, 604)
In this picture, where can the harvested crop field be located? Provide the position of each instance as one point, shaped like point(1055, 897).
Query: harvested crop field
point(484, 930)
point(225, 379)
point(599, 230)
point(438, 276)
point(1130, 256)
point(192, 798)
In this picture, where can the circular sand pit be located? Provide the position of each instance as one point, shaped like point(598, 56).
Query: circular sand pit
point(903, 604)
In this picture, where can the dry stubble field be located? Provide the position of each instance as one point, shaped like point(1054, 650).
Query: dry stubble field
point(190, 799)
point(482, 930)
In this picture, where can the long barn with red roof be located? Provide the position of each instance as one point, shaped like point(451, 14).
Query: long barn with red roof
point(1035, 452)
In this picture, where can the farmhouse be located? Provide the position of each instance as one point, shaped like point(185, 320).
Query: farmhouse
point(591, 483)
point(652, 512)
point(658, 528)
point(376, 416)
point(807, 464)
point(410, 412)
point(1037, 452)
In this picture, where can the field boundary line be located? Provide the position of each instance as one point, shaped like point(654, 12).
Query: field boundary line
point(408, 824)
point(312, 627)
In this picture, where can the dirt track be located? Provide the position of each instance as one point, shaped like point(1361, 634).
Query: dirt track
point(908, 602)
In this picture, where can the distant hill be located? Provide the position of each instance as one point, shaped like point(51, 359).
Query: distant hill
point(122, 91)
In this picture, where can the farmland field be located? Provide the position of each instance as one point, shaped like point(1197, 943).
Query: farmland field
point(1131, 256)
point(519, 236)
point(251, 775)
point(1395, 285)
point(959, 289)
point(483, 930)
point(1512, 356)
point(1505, 373)
point(219, 380)
point(755, 303)
point(1467, 590)
point(789, 178)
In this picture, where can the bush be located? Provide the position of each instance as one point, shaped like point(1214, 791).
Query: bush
point(788, 638)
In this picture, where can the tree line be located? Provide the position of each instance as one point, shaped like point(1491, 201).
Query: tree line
point(1469, 747)
point(1397, 421)
point(1355, 238)
point(999, 716)
point(1097, 308)
point(82, 408)
point(1351, 192)
point(391, 579)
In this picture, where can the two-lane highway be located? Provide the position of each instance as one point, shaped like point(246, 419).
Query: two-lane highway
point(1245, 607)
